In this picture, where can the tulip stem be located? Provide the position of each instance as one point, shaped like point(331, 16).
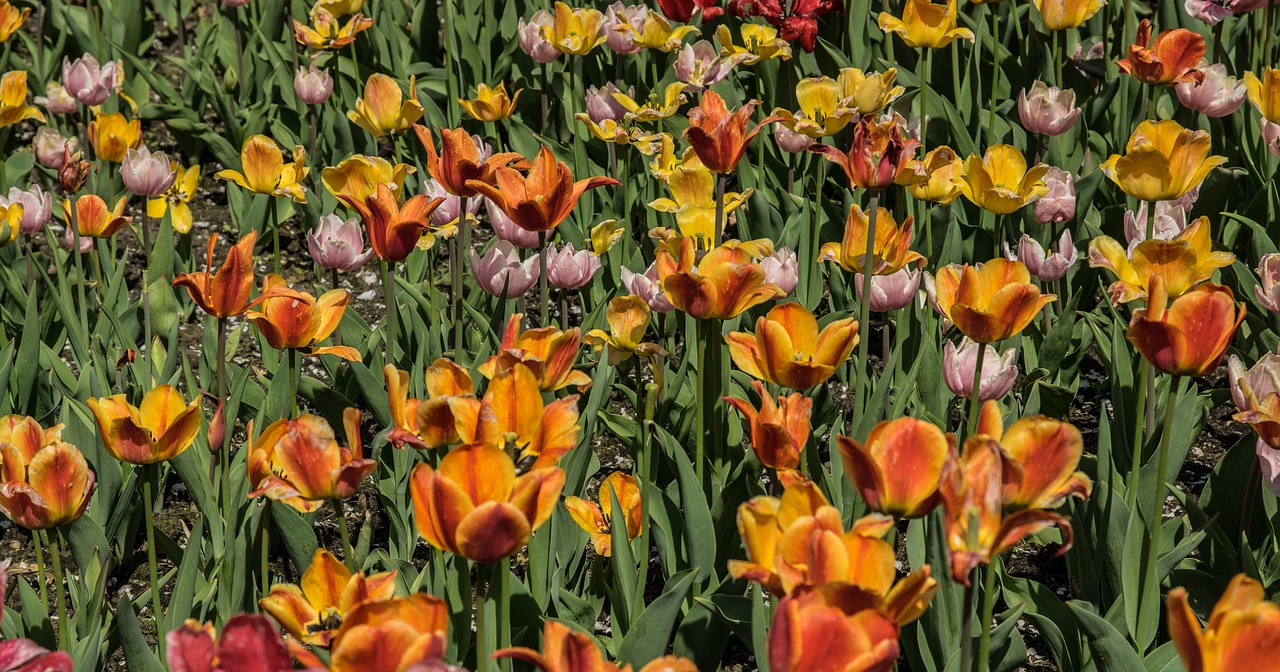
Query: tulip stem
point(864, 308)
point(815, 238)
point(544, 290)
point(275, 236)
point(1139, 435)
point(974, 400)
point(224, 453)
point(146, 300)
point(504, 608)
point(389, 293)
point(149, 474)
point(966, 626)
point(1154, 527)
point(348, 555)
point(484, 644)
point(266, 546)
point(995, 73)
point(75, 251)
point(645, 464)
point(988, 607)
point(44, 579)
point(60, 593)
point(704, 331)
point(719, 234)
point(926, 61)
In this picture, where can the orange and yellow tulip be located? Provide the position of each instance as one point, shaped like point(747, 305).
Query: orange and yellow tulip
point(824, 110)
point(93, 219)
point(1040, 458)
point(314, 610)
point(357, 177)
point(426, 423)
point(787, 348)
point(459, 161)
point(719, 137)
point(11, 19)
point(175, 202)
point(1264, 93)
point(897, 470)
point(1000, 182)
point(575, 31)
point(1244, 629)
point(1065, 14)
point(383, 110)
point(10, 222)
point(1162, 161)
point(539, 200)
point(112, 136)
point(943, 168)
point(328, 33)
point(597, 519)
point(475, 506)
point(25, 435)
point(13, 100)
point(265, 171)
point(1170, 59)
point(225, 292)
point(833, 628)
point(385, 636)
point(879, 156)
point(892, 250)
point(512, 416)
point(628, 319)
point(1182, 263)
point(394, 228)
point(779, 431)
point(46, 488)
point(549, 353)
point(1189, 336)
point(157, 430)
point(989, 303)
point(298, 461)
point(293, 320)
point(567, 650)
point(721, 285)
point(491, 104)
point(925, 24)
point(693, 201)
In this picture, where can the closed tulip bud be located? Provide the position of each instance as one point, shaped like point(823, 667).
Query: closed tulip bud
point(58, 100)
point(145, 173)
point(49, 144)
point(506, 229)
point(1047, 267)
point(37, 206)
point(313, 86)
point(501, 273)
point(90, 83)
point(1217, 95)
point(618, 39)
point(217, 432)
point(891, 292)
point(1058, 205)
point(1267, 291)
point(337, 244)
point(69, 241)
point(571, 269)
point(1047, 110)
point(602, 106)
point(998, 371)
point(532, 41)
point(648, 287)
point(791, 141)
point(782, 269)
point(1270, 135)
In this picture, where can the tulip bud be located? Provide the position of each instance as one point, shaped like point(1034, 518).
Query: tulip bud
point(891, 292)
point(217, 430)
point(90, 83)
point(571, 269)
point(998, 371)
point(145, 173)
point(1217, 95)
point(1047, 267)
point(312, 86)
point(782, 269)
point(336, 244)
point(37, 206)
point(601, 105)
point(699, 65)
point(130, 356)
point(617, 39)
point(230, 80)
point(791, 141)
point(69, 241)
point(1271, 135)
point(532, 42)
point(73, 172)
point(501, 273)
point(1059, 205)
point(506, 229)
point(58, 100)
point(1047, 110)
point(48, 144)
point(1267, 291)
point(646, 286)
point(234, 3)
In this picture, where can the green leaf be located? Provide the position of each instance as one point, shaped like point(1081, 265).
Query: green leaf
point(136, 651)
point(648, 637)
point(1111, 651)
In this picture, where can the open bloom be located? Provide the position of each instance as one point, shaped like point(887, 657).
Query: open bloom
point(357, 177)
point(893, 291)
point(597, 519)
point(89, 82)
point(1182, 262)
point(394, 228)
point(313, 610)
point(890, 253)
point(797, 21)
point(879, 156)
point(1040, 457)
point(11, 19)
point(1064, 14)
point(1047, 110)
point(1256, 392)
point(568, 268)
point(402, 634)
point(475, 506)
point(685, 10)
point(1264, 93)
point(57, 100)
point(602, 106)
point(722, 284)
point(491, 104)
point(657, 106)
point(549, 353)
point(501, 273)
point(647, 286)
point(312, 86)
point(1270, 135)
point(824, 108)
point(542, 198)
point(897, 470)
point(779, 430)
point(1244, 628)
point(512, 417)
point(719, 137)
point(1058, 204)
point(567, 650)
point(176, 200)
point(426, 423)
point(298, 461)
point(699, 65)
point(618, 39)
point(999, 372)
point(1189, 335)
point(1162, 161)
point(991, 302)
point(93, 219)
point(462, 159)
point(248, 643)
point(265, 171)
point(693, 202)
point(37, 206)
point(1050, 267)
point(45, 482)
point(1000, 182)
point(925, 24)
point(336, 243)
point(656, 32)
point(575, 31)
point(10, 222)
point(1168, 59)
point(326, 32)
point(869, 92)
point(293, 320)
point(943, 168)
point(145, 173)
point(224, 292)
point(759, 43)
point(1217, 95)
point(628, 318)
point(24, 655)
point(787, 348)
point(111, 135)
point(1267, 291)
point(157, 430)
point(532, 40)
point(383, 110)
point(831, 629)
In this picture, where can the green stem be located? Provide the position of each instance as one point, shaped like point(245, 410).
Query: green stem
point(700, 439)
point(925, 61)
point(644, 457)
point(813, 271)
point(544, 289)
point(484, 645)
point(146, 300)
point(36, 535)
point(348, 555)
point(60, 592)
point(275, 236)
point(1139, 435)
point(975, 405)
point(266, 546)
point(389, 293)
point(150, 473)
point(1154, 528)
point(75, 252)
point(966, 627)
point(864, 307)
point(455, 289)
point(504, 609)
point(988, 607)
point(224, 455)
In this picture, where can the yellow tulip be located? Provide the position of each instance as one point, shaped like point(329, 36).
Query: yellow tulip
point(824, 108)
point(1265, 93)
point(575, 31)
point(925, 24)
point(868, 93)
point(265, 171)
point(1000, 181)
point(175, 201)
point(384, 110)
point(1162, 161)
point(1064, 14)
point(653, 109)
point(693, 202)
point(112, 136)
point(657, 33)
point(759, 43)
point(491, 104)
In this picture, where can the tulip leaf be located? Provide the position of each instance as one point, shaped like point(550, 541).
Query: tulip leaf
point(649, 634)
point(1111, 651)
point(699, 530)
point(182, 598)
point(623, 602)
point(35, 615)
point(136, 651)
point(28, 363)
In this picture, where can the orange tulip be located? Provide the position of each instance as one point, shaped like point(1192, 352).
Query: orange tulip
point(779, 431)
point(1040, 459)
point(1264, 93)
point(513, 415)
point(298, 461)
point(385, 636)
point(293, 320)
point(11, 19)
point(879, 156)
point(265, 171)
point(314, 610)
point(897, 470)
point(460, 160)
point(474, 505)
point(111, 136)
point(721, 285)
point(426, 423)
point(831, 629)
point(597, 520)
point(1169, 60)
point(1183, 262)
point(158, 430)
point(13, 99)
point(718, 137)
point(1243, 632)
point(548, 352)
point(892, 250)
point(539, 200)
point(788, 350)
point(394, 229)
point(989, 303)
point(1188, 336)
point(93, 219)
point(567, 650)
point(27, 437)
point(225, 292)
point(491, 104)
point(46, 489)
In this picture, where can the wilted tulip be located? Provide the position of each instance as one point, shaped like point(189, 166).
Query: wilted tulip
point(1267, 291)
point(49, 146)
point(337, 244)
point(1189, 335)
point(618, 39)
point(1167, 60)
point(532, 40)
point(394, 228)
point(145, 173)
point(648, 287)
point(501, 273)
point(722, 284)
point(782, 269)
point(779, 430)
point(313, 86)
point(74, 170)
point(224, 292)
point(991, 302)
point(891, 251)
point(893, 291)
point(111, 136)
point(1047, 110)
point(491, 104)
point(699, 65)
point(897, 470)
point(1264, 93)
point(298, 461)
point(314, 610)
point(93, 219)
point(1217, 95)
point(57, 100)
point(597, 519)
point(1256, 392)
point(1243, 628)
point(248, 642)
point(383, 110)
point(787, 348)
point(1183, 262)
point(881, 152)
point(999, 372)
point(507, 230)
point(925, 24)
point(90, 83)
point(265, 171)
point(1058, 204)
point(37, 206)
point(571, 269)
point(1000, 182)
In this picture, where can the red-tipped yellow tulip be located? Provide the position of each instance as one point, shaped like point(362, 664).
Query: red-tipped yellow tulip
point(567, 650)
point(357, 177)
point(293, 320)
point(1169, 59)
point(475, 506)
point(224, 292)
point(1264, 93)
point(575, 31)
point(1064, 14)
point(990, 303)
point(157, 430)
point(1000, 182)
point(491, 104)
point(313, 610)
point(892, 250)
point(1162, 161)
point(1183, 263)
point(426, 423)
point(1040, 459)
point(779, 431)
point(46, 489)
point(13, 100)
point(1243, 632)
point(461, 161)
point(787, 348)
point(265, 171)
point(879, 156)
point(112, 136)
point(386, 636)
point(326, 32)
point(512, 416)
point(549, 353)
point(925, 24)
point(720, 137)
point(93, 219)
point(298, 461)
point(721, 285)
point(597, 519)
point(394, 228)
point(628, 318)
point(383, 110)
point(541, 199)
point(1189, 336)
point(834, 628)
point(897, 470)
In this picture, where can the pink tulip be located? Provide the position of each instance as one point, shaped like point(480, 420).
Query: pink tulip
point(1171, 219)
point(501, 273)
point(699, 65)
point(646, 286)
point(618, 39)
point(1059, 205)
point(24, 655)
point(998, 371)
point(1047, 267)
point(891, 292)
point(1218, 95)
point(1269, 465)
point(790, 141)
point(533, 43)
point(1047, 110)
point(37, 206)
point(248, 643)
point(69, 241)
point(1257, 382)
point(313, 85)
point(1096, 51)
point(58, 100)
point(90, 83)
point(235, 3)
point(49, 145)
point(1267, 291)
point(782, 269)
point(336, 243)
point(506, 229)
point(571, 269)
point(601, 105)
point(145, 173)
point(1271, 135)
point(451, 210)
point(1211, 12)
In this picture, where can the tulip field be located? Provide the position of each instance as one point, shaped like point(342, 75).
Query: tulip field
point(647, 335)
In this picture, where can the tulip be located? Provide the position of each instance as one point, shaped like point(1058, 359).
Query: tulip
point(1162, 161)
point(548, 353)
point(1243, 628)
point(336, 244)
point(999, 372)
point(657, 33)
point(357, 177)
point(699, 65)
point(49, 145)
point(69, 240)
point(893, 291)
point(111, 136)
point(656, 107)
point(46, 487)
point(604, 236)
point(512, 416)
point(628, 319)
point(1058, 204)
point(1264, 93)
point(156, 431)
point(1270, 135)
point(1048, 268)
point(341, 7)
point(403, 634)
point(791, 141)
point(328, 33)
point(462, 159)
point(490, 104)
point(1189, 335)
point(452, 209)
point(684, 10)
point(897, 470)
point(831, 630)
point(24, 655)
point(719, 137)
point(779, 431)
point(314, 610)
point(185, 183)
point(619, 40)
point(1211, 12)
point(501, 273)
point(90, 83)
point(531, 38)
point(312, 86)
point(782, 269)
point(11, 19)
point(787, 348)
point(648, 286)
point(1217, 95)
point(57, 100)
point(575, 31)
point(943, 169)
point(1064, 14)
point(798, 21)
point(1169, 59)
point(991, 302)
point(426, 423)
point(892, 250)
point(298, 461)
point(1267, 291)
point(925, 24)
point(383, 110)
point(505, 229)
point(824, 109)
point(725, 282)
point(571, 269)
point(567, 650)
point(1048, 110)
point(146, 174)
point(693, 202)
point(1183, 262)
point(225, 292)
point(879, 156)
point(596, 520)
point(394, 228)
point(23, 437)
point(265, 171)
point(248, 643)
point(759, 43)
point(93, 219)
point(293, 320)
point(11, 216)
point(870, 92)
point(475, 506)
point(1256, 392)
point(541, 199)
point(602, 106)
point(37, 206)
point(1170, 220)
point(1000, 181)
point(1040, 455)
